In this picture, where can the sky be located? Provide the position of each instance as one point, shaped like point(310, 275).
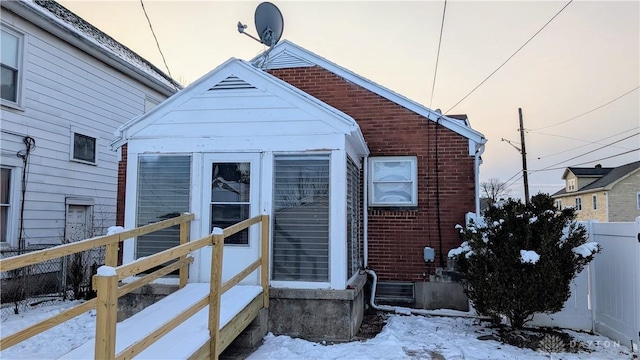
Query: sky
point(565, 79)
point(403, 337)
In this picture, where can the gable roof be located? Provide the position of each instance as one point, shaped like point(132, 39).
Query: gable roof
point(611, 177)
point(289, 55)
point(61, 22)
point(239, 75)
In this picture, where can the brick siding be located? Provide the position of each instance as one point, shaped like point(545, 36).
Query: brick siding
point(397, 236)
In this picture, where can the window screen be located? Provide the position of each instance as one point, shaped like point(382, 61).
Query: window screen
point(301, 218)
point(163, 192)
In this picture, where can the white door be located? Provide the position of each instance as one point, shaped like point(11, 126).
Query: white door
point(231, 193)
point(78, 223)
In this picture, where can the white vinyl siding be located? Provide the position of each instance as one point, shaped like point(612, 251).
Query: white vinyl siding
point(11, 73)
point(393, 181)
point(163, 192)
point(63, 88)
point(301, 218)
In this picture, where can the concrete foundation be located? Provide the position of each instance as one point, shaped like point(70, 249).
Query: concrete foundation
point(318, 315)
point(440, 295)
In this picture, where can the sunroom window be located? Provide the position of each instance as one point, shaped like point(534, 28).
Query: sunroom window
point(301, 218)
point(393, 181)
point(163, 193)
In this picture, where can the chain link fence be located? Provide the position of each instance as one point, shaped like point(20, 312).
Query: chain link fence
point(66, 278)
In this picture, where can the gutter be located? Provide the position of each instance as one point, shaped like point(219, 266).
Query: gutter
point(52, 26)
point(476, 163)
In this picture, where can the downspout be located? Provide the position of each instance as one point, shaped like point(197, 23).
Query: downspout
point(476, 162)
point(365, 212)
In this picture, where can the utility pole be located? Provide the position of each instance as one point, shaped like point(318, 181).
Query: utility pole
point(524, 160)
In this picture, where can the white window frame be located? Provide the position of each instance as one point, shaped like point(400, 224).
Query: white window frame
point(86, 133)
point(579, 203)
point(414, 181)
point(559, 204)
point(11, 206)
point(594, 201)
point(20, 69)
point(638, 199)
point(571, 184)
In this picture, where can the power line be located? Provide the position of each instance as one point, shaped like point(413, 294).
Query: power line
point(597, 142)
point(512, 55)
point(588, 162)
point(600, 148)
point(435, 72)
point(157, 43)
point(590, 111)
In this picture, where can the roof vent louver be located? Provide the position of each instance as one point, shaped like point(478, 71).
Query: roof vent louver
point(232, 83)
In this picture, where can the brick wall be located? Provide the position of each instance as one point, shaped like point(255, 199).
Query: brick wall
point(397, 236)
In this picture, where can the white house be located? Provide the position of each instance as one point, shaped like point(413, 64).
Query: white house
point(66, 86)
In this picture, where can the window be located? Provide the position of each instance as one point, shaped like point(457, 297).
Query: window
point(11, 43)
point(571, 184)
point(578, 203)
point(559, 204)
point(393, 181)
point(638, 200)
point(163, 192)
point(353, 218)
point(301, 218)
point(594, 199)
point(84, 148)
point(5, 203)
point(230, 198)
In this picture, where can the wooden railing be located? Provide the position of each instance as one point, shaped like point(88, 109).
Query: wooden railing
point(108, 291)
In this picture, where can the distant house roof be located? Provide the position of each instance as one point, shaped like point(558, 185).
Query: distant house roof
point(608, 177)
point(597, 171)
point(289, 55)
point(68, 26)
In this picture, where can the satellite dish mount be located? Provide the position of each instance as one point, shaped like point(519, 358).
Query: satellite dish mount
point(269, 24)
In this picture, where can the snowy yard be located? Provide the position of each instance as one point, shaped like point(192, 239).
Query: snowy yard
point(403, 337)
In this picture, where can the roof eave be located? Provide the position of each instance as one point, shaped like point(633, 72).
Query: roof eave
point(25, 11)
point(391, 95)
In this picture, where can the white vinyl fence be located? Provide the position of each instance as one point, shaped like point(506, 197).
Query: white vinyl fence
point(605, 297)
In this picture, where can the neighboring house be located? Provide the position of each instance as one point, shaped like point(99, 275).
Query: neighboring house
point(352, 175)
point(66, 87)
point(602, 194)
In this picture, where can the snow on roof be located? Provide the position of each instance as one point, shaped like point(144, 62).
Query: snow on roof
point(81, 28)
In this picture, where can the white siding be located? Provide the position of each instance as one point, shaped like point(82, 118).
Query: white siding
point(66, 88)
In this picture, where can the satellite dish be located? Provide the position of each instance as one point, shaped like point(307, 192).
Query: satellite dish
point(269, 24)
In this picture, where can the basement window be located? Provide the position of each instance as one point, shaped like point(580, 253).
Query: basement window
point(393, 181)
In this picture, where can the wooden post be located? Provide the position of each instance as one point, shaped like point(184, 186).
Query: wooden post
point(111, 255)
point(106, 313)
point(264, 265)
point(214, 294)
point(184, 238)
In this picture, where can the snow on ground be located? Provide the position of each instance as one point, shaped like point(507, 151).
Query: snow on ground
point(403, 337)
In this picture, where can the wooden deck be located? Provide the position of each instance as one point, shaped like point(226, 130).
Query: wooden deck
point(239, 306)
point(197, 322)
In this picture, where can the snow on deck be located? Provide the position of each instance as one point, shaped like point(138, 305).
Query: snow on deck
point(185, 339)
